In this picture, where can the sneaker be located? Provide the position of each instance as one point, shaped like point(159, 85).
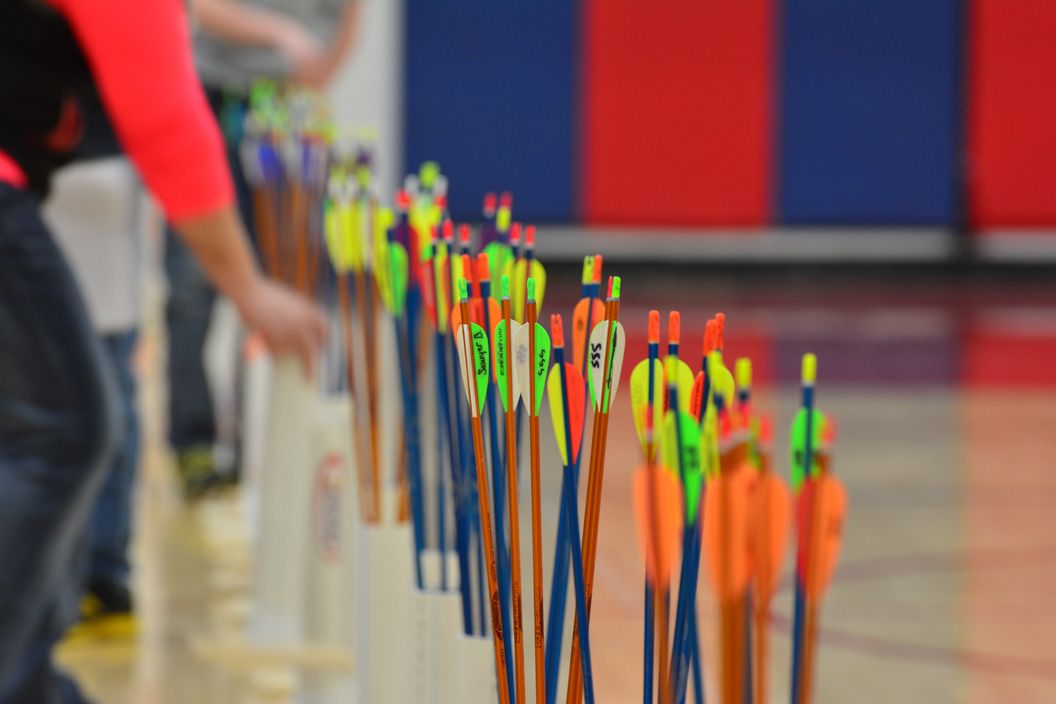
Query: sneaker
point(106, 612)
point(197, 469)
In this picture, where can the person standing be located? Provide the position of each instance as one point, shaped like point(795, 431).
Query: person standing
point(98, 212)
point(236, 42)
point(59, 417)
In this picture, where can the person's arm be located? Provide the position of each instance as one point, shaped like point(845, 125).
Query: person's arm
point(344, 38)
point(241, 23)
point(141, 59)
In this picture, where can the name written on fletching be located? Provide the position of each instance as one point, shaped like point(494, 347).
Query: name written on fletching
point(540, 363)
point(480, 346)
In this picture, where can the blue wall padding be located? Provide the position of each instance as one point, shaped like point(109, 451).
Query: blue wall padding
point(490, 94)
point(869, 111)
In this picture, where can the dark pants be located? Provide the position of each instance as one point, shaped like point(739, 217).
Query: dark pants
point(189, 313)
point(58, 427)
point(111, 525)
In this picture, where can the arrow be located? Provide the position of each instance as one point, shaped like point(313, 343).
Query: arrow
point(498, 477)
point(726, 531)
point(473, 358)
point(504, 332)
point(821, 512)
point(565, 388)
point(607, 339)
point(647, 384)
point(531, 369)
point(559, 583)
point(685, 646)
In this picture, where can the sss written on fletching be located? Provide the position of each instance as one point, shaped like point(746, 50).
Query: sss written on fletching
point(604, 374)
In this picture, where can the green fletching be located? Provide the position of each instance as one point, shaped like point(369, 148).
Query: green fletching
point(540, 365)
point(398, 289)
point(480, 364)
point(428, 172)
point(681, 452)
point(798, 445)
point(503, 369)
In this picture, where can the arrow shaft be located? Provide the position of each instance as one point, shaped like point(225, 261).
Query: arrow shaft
point(515, 531)
point(573, 537)
point(350, 371)
point(498, 490)
point(799, 619)
point(537, 530)
point(368, 312)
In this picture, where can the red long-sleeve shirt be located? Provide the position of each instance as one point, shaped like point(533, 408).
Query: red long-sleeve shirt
point(140, 57)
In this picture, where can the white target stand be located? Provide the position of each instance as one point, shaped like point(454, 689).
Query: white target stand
point(384, 607)
point(331, 570)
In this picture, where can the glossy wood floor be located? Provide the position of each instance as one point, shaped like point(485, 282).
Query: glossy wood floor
point(944, 593)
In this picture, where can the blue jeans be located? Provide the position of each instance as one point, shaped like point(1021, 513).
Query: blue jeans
point(111, 527)
point(58, 427)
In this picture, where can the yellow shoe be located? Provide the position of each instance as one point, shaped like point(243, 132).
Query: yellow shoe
point(106, 613)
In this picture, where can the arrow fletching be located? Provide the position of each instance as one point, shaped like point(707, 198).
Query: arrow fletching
point(585, 317)
point(683, 379)
point(504, 368)
point(798, 445)
point(828, 499)
point(771, 518)
point(576, 408)
point(526, 366)
point(602, 390)
point(680, 450)
point(640, 396)
point(660, 551)
point(726, 532)
point(472, 343)
point(521, 271)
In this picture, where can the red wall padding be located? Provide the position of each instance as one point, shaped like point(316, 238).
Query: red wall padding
point(1012, 112)
point(677, 101)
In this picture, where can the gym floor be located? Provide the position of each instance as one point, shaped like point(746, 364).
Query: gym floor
point(945, 396)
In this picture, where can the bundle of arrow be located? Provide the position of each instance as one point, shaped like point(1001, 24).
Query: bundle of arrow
point(708, 480)
point(459, 313)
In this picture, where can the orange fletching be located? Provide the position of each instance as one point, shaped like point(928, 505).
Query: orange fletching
point(726, 532)
point(582, 327)
point(771, 517)
point(696, 399)
point(576, 390)
point(817, 557)
point(660, 550)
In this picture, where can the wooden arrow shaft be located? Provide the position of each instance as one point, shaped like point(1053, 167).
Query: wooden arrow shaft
point(515, 530)
point(368, 319)
point(537, 530)
point(350, 371)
